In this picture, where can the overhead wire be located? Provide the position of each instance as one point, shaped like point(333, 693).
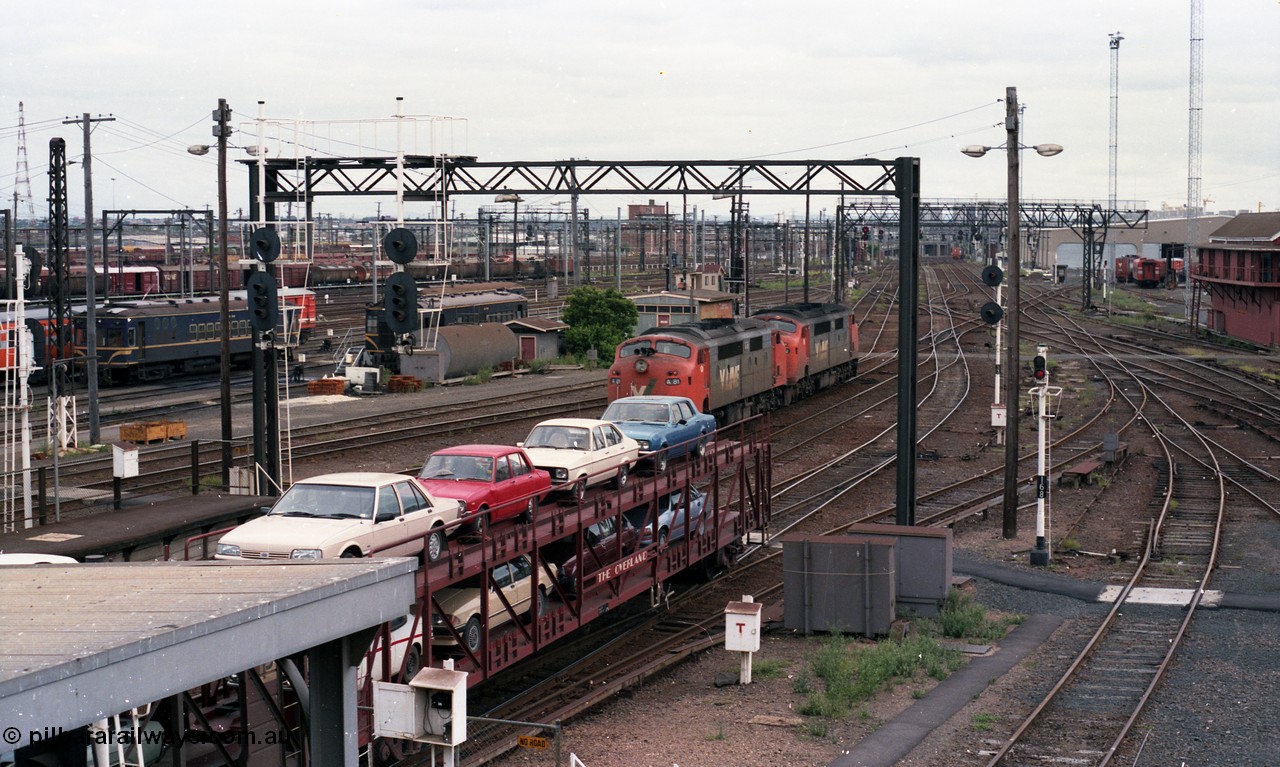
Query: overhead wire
point(870, 136)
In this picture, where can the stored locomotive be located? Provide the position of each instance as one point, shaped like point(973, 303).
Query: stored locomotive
point(152, 340)
point(44, 346)
point(738, 368)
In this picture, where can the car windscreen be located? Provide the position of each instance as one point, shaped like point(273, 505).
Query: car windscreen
point(645, 412)
point(469, 467)
point(566, 437)
point(332, 501)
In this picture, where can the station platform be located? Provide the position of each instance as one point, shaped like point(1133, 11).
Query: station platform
point(154, 521)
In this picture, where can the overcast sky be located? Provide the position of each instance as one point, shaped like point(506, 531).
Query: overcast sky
point(546, 80)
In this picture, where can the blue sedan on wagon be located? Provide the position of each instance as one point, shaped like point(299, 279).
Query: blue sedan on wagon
point(666, 427)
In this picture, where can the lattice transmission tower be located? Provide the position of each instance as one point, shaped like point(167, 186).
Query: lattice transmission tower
point(22, 181)
point(1195, 112)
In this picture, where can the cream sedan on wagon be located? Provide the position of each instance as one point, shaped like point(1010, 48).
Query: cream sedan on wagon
point(580, 452)
point(354, 514)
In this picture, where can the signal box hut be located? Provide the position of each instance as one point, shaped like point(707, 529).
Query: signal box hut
point(1239, 268)
point(539, 339)
point(703, 277)
point(658, 310)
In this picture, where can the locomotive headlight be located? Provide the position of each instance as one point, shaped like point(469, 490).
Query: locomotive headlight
point(642, 365)
point(615, 381)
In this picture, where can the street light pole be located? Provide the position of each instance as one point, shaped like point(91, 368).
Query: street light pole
point(1013, 264)
point(1014, 258)
point(222, 130)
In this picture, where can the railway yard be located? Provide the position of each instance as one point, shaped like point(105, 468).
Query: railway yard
point(1185, 503)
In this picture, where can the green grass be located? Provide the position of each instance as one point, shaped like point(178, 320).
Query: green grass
point(963, 618)
point(849, 672)
point(770, 668)
point(983, 722)
point(842, 673)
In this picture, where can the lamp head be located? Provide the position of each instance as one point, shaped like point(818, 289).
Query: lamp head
point(975, 150)
point(199, 150)
point(1048, 150)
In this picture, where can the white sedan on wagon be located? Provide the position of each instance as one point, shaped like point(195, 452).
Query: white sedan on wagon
point(580, 452)
point(353, 514)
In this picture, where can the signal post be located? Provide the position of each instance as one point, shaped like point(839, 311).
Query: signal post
point(1043, 394)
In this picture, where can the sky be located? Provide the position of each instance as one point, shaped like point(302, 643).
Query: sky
point(542, 80)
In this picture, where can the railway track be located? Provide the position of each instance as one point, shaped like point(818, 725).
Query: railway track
point(1090, 711)
point(168, 465)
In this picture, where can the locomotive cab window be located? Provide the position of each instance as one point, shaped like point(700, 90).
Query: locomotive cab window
point(674, 349)
point(639, 347)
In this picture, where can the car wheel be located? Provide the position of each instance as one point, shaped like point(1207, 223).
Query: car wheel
point(481, 525)
point(701, 448)
point(542, 605)
point(580, 490)
point(435, 544)
point(471, 634)
point(412, 664)
point(620, 481)
point(662, 537)
point(660, 464)
point(530, 510)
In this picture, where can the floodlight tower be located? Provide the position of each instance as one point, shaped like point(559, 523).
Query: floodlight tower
point(1109, 274)
point(1115, 118)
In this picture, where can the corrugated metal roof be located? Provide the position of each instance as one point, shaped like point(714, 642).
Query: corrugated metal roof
point(1252, 228)
point(86, 641)
point(537, 323)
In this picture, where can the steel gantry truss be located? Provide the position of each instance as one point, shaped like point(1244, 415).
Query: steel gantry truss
point(1090, 221)
point(437, 178)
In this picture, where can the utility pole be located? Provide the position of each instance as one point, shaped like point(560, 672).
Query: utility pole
point(222, 131)
point(91, 298)
point(1014, 261)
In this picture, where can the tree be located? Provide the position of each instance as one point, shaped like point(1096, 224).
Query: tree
point(598, 319)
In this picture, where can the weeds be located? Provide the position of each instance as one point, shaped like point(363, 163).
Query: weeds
point(853, 672)
point(962, 618)
point(770, 668)
point(983, 722)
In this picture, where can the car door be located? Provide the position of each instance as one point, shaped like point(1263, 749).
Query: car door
point(414, 521)
point(388, 525)
point(504, 490)
point(602, 462)
point(619, 441)
point(501, 583)
point(524, 480)
point(602, 546)
point(512, 580)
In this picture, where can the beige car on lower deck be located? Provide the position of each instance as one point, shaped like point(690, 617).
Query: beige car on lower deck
point(353, 514)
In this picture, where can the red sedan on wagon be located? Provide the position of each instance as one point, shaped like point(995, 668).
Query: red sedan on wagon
point(493, 482)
